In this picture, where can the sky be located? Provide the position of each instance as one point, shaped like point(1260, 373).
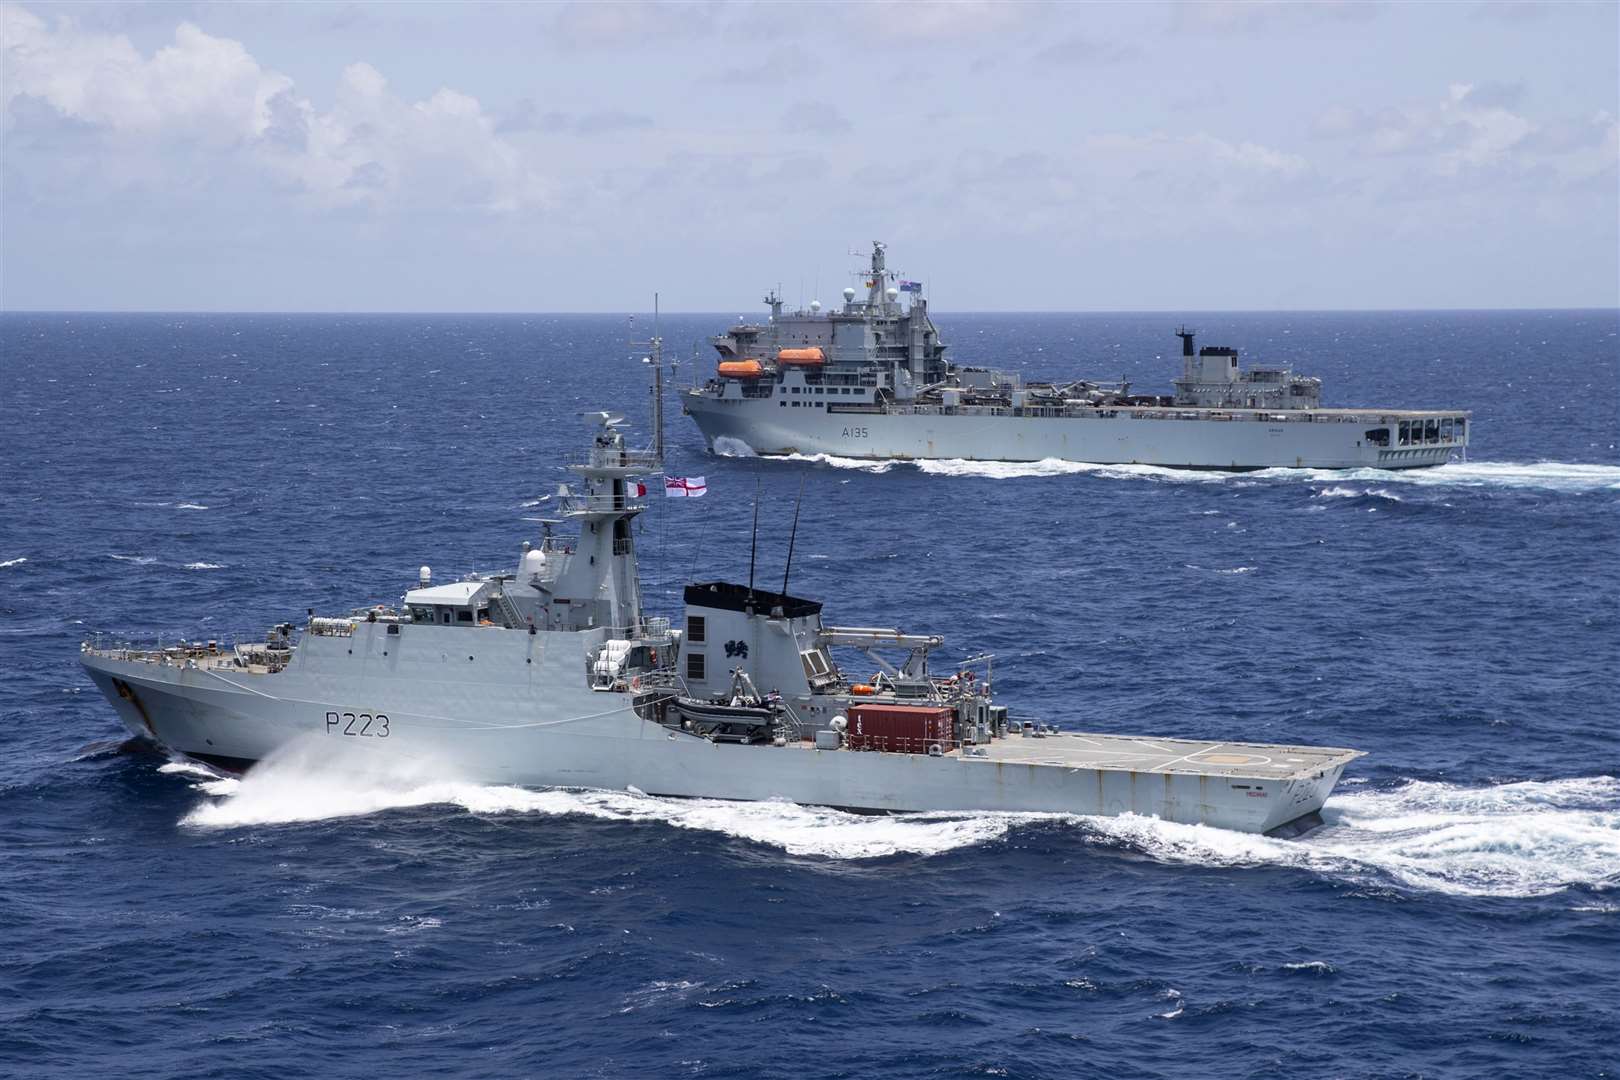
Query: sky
point(1013, 156)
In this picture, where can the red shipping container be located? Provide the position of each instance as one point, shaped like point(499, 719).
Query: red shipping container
point(900, 729)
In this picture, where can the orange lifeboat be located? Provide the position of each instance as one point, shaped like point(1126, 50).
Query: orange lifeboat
point(811, 357)
point(741, 369)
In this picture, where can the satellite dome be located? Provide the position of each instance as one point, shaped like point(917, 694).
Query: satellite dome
point(815, 305)
point(892, 293)
point(849, 294)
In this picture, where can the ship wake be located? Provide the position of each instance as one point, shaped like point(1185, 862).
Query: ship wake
point(305, 782)
point(1552, 476)
point(1531, 838)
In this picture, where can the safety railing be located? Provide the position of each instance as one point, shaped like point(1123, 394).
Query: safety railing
point(613, 457)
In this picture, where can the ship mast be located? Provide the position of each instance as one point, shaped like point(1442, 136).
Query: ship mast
point(655, 359)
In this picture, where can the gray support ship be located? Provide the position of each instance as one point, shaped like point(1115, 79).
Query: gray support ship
point(870, 380)
point(551, 675)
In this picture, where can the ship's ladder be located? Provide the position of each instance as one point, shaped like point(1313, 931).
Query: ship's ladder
point(509, 611)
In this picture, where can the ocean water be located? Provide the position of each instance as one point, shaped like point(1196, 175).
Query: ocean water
point(1457, 915)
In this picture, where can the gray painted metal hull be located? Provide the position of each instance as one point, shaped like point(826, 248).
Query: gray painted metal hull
point(508, 707)
point(1321, 439)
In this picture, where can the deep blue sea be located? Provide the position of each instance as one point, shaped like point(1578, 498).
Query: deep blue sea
point(1457, 916)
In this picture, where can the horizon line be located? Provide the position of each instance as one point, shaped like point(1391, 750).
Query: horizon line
point(5, 311)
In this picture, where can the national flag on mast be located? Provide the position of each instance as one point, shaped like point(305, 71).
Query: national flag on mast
point(685, 487)
point(911, 286)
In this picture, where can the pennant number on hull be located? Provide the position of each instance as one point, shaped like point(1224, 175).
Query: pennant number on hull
point(855, 433)
point(359, 725)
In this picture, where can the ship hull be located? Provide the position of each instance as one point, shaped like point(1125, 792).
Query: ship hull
point(513, 726)
point(1180, 439)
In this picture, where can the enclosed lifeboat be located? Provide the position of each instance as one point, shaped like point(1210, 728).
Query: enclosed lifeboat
point(741, 369)
point(810, 357)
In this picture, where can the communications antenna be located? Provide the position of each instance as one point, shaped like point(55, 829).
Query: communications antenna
point(655, 359)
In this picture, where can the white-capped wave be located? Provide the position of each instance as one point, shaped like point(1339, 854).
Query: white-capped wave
point(190, 506)
point(189, 768)
point(727, 446)
point(14, 562)
point(1337, 492)
point(138, 560)
point(306, 782)
point(1525, 839)
point(204, 566)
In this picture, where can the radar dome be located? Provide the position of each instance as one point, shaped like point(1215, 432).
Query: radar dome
point(892, 293)
point(815, 305)
point(849, 294)
point(424, 575)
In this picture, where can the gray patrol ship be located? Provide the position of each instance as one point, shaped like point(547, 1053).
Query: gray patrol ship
point(551, 675)
point(870, 380)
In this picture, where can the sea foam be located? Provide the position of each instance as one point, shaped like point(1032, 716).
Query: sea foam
point(1554, 476)
point(1522, 839)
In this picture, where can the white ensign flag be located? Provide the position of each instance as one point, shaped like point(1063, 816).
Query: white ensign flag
point(685, 487)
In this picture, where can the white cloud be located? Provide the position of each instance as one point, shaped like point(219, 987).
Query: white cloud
point(1473, 127)
point(371, 149)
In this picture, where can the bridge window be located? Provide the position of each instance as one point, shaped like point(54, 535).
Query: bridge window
point(1406, 433)
point(1378, 436)
point(1445, 430)
point(694, 667)
point(1431, 431)
point(695, 628)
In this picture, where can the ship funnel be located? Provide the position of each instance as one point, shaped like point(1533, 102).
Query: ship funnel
point(1186, 337)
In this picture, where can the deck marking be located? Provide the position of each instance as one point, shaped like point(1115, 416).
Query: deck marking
point(1184, 757)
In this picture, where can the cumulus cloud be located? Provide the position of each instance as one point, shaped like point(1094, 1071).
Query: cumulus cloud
point(1474, 126)
point(371, 148)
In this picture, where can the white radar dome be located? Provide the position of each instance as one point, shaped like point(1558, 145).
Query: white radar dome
point(815, 305)
point(424, 575)
point(849, 294)
point(532, 562)
point(892, 293)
